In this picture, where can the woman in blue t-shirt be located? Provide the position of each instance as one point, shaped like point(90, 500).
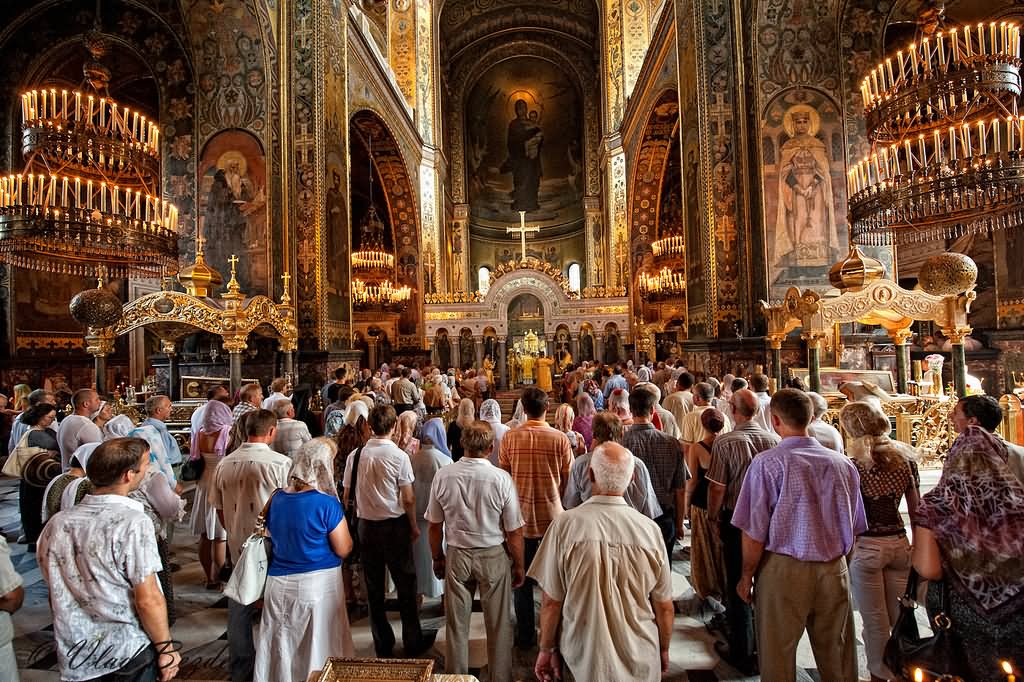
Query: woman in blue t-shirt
point(305, 620)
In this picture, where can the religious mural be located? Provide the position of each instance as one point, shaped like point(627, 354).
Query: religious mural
point(335, 235)
point(804, 190)
point(525, 313)
point(233, 207)
point(695, 240)
point(524, 126)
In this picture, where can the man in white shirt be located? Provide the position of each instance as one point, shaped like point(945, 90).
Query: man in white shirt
point(386, 509)
point(759, 385)
point(242, 484)
point(690, 429)
point(20, 428)
point(291, 433)
point(820, 430)
point(100, 561)
point(279, 390)
point(12, 594)
point(680, 401)
point(598, 563)
point(474, 506)
point(78, 428)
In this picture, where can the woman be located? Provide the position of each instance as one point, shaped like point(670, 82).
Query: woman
point(37, 456)
point(881, 556)
point(405, 430)
point(591, 388)
point(707, 565)
point(301, 397)
point(305, 620)
point(103, 414)
point(584, 422)
point(19, 402)
point(518, 416)
point(466, 416)
point(969, 541)
point(210, 443)
point(68, 489)
point(354, 433)
point(426, 462)
point(564, 418)
point(490, 412)
point(117, 427)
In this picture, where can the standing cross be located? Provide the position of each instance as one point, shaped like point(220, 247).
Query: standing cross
point(522, 230)
point(200, 241)
point(234, 261)
point(286, 278)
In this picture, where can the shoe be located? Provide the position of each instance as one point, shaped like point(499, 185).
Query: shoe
point(748, 667)
point(426, 642)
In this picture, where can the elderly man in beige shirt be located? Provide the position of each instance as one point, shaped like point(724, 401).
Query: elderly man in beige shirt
point(607, 604)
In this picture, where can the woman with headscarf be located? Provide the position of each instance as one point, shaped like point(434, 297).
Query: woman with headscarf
point(583, 424)
point(36, 461)
point(405, 432)
point(210, 443)
point(69, 488)
point(969, 542)
point(103, 414)
point(466, 416)
point(591, 388)
point(305, 620)
point(430, 457)
point(117, 427)
point(354, 433)
point(490, 412)
point(518, 416)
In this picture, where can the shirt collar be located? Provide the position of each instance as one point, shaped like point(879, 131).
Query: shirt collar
point(115, 499)
point(646, 426)
point(617, 500)
point(536, 422)
point(254, 446)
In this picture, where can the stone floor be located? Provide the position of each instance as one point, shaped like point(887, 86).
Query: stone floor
point(202, 618)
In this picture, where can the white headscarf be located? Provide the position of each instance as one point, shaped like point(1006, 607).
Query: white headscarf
point(490, 411)
point(313, 465)
point(355, 410)
point(84, 452)
point(118, 427)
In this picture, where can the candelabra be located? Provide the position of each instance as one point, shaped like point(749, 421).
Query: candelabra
point(662, 285)
point(671, 246)
point(379, 296)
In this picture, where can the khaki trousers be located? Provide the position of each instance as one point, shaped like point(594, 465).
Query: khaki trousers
point(490, 570)
point(791, 596)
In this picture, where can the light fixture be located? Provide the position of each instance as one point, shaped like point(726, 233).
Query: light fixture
point(664, 277)
point(379, 295)
point(87, 200)
point(662, 285)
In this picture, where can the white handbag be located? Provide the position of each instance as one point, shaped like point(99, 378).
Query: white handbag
point(249, 575)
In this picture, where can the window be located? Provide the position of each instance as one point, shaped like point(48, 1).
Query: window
point(484, 279)
point(574, 276)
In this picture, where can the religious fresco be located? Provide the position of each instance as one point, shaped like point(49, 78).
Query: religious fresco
point(41, 301)
point(336, 231)
point(694, 221)
point(524, 129)
point(804, 190)
point(233, 208)
point(525, 313)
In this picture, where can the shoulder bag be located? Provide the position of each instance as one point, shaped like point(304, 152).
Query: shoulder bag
point(22, 454)
point(249, 575)
point(351, 515)
point(192, 469)
point(938, 656)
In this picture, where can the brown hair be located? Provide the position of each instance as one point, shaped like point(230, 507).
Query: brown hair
point(712, 419)
point(792, 406)
point(111, 459)
point(278, 385)
point(477, 439)
point(869, 444)
point(607, 427)
point(250, 391)
point(382, 419)
point(259, 423)
point(80, 396)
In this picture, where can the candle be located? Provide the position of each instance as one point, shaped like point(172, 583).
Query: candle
point(926, 55)
point(1008, 669)
point(942, 50)
point(899, 58)
point(896, 157)
point(64, 192)
point(142, 130)
point(44, 103)
point(103, 112)
point(921, 150)
point(78, 194)
point(967, 40)
point(53, 103)
point(89, 117)
point(135, 125)
point(954, 39)
point(981, 39)
point(918, 675)
point(78, 105)
point(1002, 37)
point(103, 197)
point(910, 158)
point(64, 104)
point(138, 195)
point(88, 194)
point(993, 49)
point(149, 200)
point(982, 135)
point(937, 154)
point(995, 133)
point(966, 136)
point(888, 66)
point(114, 206)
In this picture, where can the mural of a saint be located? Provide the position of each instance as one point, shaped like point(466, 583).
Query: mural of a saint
point(525, 139)
point(336, 230)
point(223, 222)
point(805, 234)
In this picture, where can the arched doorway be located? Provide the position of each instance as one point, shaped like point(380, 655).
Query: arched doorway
point(526, 316)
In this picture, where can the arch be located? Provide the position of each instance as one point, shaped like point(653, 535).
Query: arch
point(542, 286)
point(575, 276)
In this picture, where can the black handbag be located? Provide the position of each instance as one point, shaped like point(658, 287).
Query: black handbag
point(941, 655)
point(192, 469)
point(351, 516)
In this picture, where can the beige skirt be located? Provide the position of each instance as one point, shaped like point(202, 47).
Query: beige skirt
point(707, 568)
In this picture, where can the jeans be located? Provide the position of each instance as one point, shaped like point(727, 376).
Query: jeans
point(388, 544)
point(142, 668)
point(878, 578)
point(738, 613)
point(522, 600)
point(667, 523)
point(241, 649)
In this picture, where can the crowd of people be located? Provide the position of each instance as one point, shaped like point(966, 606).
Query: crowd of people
point(412, 476)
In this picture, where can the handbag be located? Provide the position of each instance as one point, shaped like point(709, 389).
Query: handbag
point(23, 453)
point(940, 655)
point(350, 510)
point(192, 469)
point(249, 574)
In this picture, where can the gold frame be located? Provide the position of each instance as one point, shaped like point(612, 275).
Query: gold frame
point(380, 669)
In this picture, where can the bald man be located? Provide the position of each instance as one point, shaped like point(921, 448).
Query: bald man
point(731, 454)
point(597, 562)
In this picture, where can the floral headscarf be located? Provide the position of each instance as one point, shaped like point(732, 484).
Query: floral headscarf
point(313, 465)
point(157, 451)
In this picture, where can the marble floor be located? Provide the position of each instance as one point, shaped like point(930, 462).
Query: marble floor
point(202, 618)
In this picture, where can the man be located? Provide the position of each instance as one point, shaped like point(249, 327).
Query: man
point(18, 428)
point(759, 384)
point(387, 531)
point(100, 562)
point(291, 433)
point(216, 393)
point(242, 484)
point(365, 375)
point(820, 430)
point(690, 429)
point(249, 399)
point(279, 390)
point(607, 603)
point(12, 595)
point(78, 428)
point(404, 394)
point(473, 506)
point(539, 458)
point(731, 455)
point(985, 411)
point(800, 509)
point(664, 460)
point(669, 426)
point(329, 393)
point(158, 411)
point(615, 381)
point(680, 402)
point(640, 493)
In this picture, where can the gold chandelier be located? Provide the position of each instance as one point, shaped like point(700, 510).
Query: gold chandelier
point(948, 142)
point(664, 279)
point(379, 295)
point(87, 199)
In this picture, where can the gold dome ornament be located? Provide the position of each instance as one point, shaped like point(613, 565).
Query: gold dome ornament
point(199, 279)
point(948, 274)
point(855, 271)
point(99, 307)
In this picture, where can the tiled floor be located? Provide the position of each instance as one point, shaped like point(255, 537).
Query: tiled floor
point(202, 618)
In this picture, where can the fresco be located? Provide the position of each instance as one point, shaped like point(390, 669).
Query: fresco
point(336, 238)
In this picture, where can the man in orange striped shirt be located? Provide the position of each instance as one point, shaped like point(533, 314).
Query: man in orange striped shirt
point(538, 457)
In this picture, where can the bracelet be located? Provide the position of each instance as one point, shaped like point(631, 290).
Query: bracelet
point(552, 650)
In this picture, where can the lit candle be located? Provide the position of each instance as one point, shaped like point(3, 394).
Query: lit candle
point(896, 157)
point(942, 50)
point(78, 105)
point(89, 117)
point(874, 79)
point(135, 125)
point(1002, 37)
point(954, 39)
point(967, 40)
point(64, 104)
point(78, 194)
point(937, 155)
point(115, 205)
point(1008, 669)
point(918, 675)
point(913, 59)
point(926, 55)
point(993, 49)
point(1020, 131)
point(53, 103)
point(53, 190)
point(44, 104)
point(995, 133)
point(88, 194)
point(981, 39)
point(888, 66)
point(921, 149)
point(982, 135)
point(21, 193)
point(899, 58)
point(910, 158)
point(142, 130)
point(149, 200)
point(138, 195)
point(64, 193)
point(966, 135)
point(103, 112)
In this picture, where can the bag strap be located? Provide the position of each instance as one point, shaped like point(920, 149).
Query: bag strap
point(261, 518)
point(909, 598)
point(351, 511)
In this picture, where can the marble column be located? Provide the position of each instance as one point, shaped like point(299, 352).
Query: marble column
point(173, 371)
point(813, 362)
point(598, 348)
point(502, 364)
point(478, 351)
point(775, 346)
point(549, 342)
point(235, 370)
point(900, 338)
point(373, 356)
point(574, 348)
point(100, 364)
point(959, 368)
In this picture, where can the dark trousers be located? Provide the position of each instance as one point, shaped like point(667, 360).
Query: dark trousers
point(241, 648)
point(30, 504)
point(388, 544)
point(522, 600)
point(142, 668)
point(667, 523)
point(738, 613)
point(402, 407)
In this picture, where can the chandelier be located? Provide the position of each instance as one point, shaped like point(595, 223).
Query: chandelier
point(664, 277)
point(87, 199)
point(947, 154)
point(379, 295)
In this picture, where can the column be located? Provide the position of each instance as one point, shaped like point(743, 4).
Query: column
point(478, 351)
point(502, 362)
point(289, 362)
point(598, 348)
point(574, 348)
point(99, 347)
point(775, 345)
point(956, 338)
point(900, 338)
point(549, 346)
point(100, 364)
point(373, 357)
point(813, 360)
point(235, 346)
point(170, 349)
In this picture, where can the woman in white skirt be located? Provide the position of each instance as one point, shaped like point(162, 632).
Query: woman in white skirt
point(430, 457)
point(305, 620)
point(210, 443)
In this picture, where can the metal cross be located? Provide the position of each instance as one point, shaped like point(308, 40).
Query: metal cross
point(522, 230)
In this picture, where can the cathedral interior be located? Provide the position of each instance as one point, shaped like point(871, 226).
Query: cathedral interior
point(414, 181)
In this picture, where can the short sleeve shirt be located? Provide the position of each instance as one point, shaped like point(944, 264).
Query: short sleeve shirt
point(10, 580)
point(383, 469)
point(477, 503)
point(75, 430)
point(538, 457)
point(664, 459)
point(299, 525)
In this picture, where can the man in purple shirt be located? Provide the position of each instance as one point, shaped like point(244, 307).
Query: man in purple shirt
point(800, 509)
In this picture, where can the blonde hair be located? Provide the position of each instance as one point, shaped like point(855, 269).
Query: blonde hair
point(564, 417)
point(869, 444)
point(466, 414)
point(20, 399)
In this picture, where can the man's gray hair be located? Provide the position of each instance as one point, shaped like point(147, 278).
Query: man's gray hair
point(610, 475)
point(153, 403)
point(819, 403)
point(281, 408)
point(648, 386)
